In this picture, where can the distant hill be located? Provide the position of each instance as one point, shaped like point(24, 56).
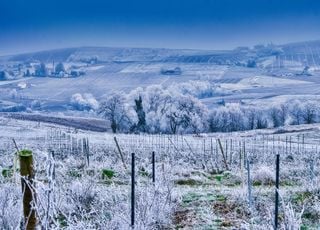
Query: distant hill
point(118, 54)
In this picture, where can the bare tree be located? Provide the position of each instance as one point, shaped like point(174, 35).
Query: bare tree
point(309, 113)
point(275, 117)
point(113, 109)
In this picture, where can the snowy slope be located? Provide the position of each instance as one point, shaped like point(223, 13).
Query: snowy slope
point(124, 69)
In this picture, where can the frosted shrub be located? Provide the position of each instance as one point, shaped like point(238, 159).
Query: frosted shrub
point(83, 196)
point(198, 89)
point(10, 206)
point(264, 175)
point(292, 219)
point(84, 102)
point(154, 206)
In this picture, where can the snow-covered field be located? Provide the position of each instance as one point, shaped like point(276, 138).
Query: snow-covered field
point(203, 180)
point(198, 183)
point(124, 69)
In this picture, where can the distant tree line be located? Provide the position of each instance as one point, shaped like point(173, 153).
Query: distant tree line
point(156, 109)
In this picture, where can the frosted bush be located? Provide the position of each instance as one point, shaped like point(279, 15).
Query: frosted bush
point(292, 218)
point(264, 175)
point(198, 89)
point(84, 102)
point(10, 206)
point(35, 104)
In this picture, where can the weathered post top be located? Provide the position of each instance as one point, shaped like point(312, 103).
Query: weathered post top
point(27, 184)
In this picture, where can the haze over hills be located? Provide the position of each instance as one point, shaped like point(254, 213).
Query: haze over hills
point(168, 114)
point(246, 74)
point(116, 53)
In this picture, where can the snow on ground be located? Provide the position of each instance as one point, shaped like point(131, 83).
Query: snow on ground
point(198, 185)
point(124, 69)
point(261, 82)
point(267, 62)
point(143, 68)
point(204, 182)
point(3, 83)
point(282, 99)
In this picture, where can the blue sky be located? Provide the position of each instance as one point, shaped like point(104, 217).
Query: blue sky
point(29, 25)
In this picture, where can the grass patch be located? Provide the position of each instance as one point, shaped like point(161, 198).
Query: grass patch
point(256, 183)
point(287, 183)
point(7, 173)
point(189, 182)
point(74, 173)
point(226, 178)
point(107, 174)
point(301, 197)
point(62, 220)
point(198, 197)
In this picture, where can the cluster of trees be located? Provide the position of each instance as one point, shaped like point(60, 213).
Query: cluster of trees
point(42, 71)
point(5, 75)
point(156, 109)
point(236, 117)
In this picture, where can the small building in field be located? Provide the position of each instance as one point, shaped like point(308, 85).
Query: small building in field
point(175, 71)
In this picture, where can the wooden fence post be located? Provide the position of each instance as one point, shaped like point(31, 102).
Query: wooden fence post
point(29, 194)
point(223, 155)
point(121, 155)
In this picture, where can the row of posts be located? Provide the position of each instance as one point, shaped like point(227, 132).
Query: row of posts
point(27, 176)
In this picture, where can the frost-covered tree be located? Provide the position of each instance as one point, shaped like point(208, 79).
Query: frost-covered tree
point(252, 117)
point(41, 70)
point(227, 119)
point(113, 109)
point(5, 75)
point(59, 68)
point(141, 126)
point(283, 113)
point(214, 121)
point(156, 102)
point(296, 113)
point(279, 115)
point(2, 75)
point(262, 121)
point(251, 63)
point(309, 113)
point(27, 73)
point(198, 89)
point(186, 114)
point(275, 117)
point(236, 118)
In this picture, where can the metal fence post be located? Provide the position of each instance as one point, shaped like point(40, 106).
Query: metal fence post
point(132, 189)
point(277, 193)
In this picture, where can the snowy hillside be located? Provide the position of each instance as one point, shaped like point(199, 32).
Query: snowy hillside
point(74, 81)
point(204, 129)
